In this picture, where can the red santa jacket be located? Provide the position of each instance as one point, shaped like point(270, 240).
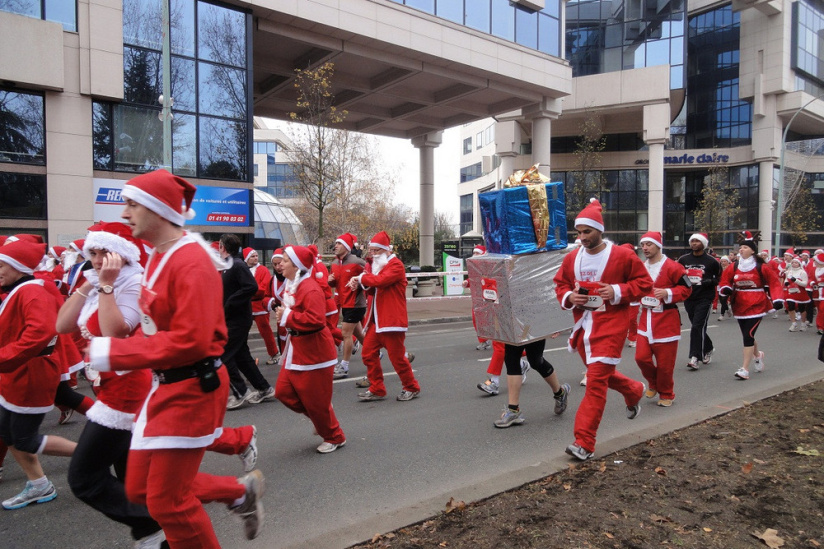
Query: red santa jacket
point(344, 270)
point(387, 287)
point(310, 345)
point(29, 367)
point(796, 290)
point(816, 281)
point(66, 351)
point(264, 279)
point(602, 332)
point(746, 288)
point(661, 322)
point(182, 304)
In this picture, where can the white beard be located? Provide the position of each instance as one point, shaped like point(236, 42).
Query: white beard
point(69, 259)
point(289, 290)
point(46, 264)
point(379, 262)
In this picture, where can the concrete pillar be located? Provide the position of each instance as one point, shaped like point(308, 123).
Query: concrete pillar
point(765, 202)
point(426, 225)
point(656, 134)
point(655, 212)
point(542, 114)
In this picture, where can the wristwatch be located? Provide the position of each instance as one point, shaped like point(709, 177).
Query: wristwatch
point(107, 289)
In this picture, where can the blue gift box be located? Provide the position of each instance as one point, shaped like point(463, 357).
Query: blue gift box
point(508, 225)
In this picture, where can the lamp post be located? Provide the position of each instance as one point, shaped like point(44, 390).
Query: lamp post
point(779, 205)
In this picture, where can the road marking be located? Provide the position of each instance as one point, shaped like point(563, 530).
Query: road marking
point(356, 378)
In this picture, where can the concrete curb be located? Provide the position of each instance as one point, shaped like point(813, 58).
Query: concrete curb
point(422, 510)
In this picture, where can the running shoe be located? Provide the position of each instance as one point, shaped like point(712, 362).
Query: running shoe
point(30, 494)
point(509, 418)
point(489, 387)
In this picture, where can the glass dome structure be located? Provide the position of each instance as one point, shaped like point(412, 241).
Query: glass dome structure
point(274, 220)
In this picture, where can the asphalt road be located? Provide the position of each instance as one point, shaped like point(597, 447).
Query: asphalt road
point(404, 460)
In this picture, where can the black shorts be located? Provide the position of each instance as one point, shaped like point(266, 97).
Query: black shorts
point(21, 430)
point(353, 315)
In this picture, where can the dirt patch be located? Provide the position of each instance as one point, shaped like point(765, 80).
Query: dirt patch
point(712, 485)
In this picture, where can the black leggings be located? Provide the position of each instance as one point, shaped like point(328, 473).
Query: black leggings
point(534, 354)
point(66, 396)
point(748, 327)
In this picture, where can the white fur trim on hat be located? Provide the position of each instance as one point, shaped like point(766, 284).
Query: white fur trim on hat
point(290, 251)
point(651, 240)
point(16, 265)
point(156, 205)
point(102, 240)
point(345, 245)
point(700, 238)
point(381, 246)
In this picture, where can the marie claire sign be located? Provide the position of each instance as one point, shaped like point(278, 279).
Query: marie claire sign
point(686, 159)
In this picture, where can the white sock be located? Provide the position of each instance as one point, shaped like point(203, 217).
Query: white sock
point(40, 482)
point(344, 364)
point(495, 379)
point(239, 501)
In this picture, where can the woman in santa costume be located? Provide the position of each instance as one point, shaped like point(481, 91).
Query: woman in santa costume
point(29, 367)
point(274, 295)
point(597, 282)
point(795, 293)
point(181, 337)
point(309, 357)
point(260, 313)
point(744, 282)
point(817, 288)
point(321, 274)
point(660, 326)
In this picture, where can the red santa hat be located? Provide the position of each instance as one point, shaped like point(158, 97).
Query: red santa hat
point(77, 245)
point(703, 238)
point(380, 240)
point(766, 252)
point(301, 256)
point(654, 237)
point(790, 251)
point(479, 249)
point(167, 195)
point(115, 237)
point(313, 249)
point(33, 238)
point(348, 240)
point(22, 255)
point(277, 253)
point(57, 251)
point(819, 251)
point(3, 239)
point(215, 245)
point(796, 258)
point(805, 252)
point(247, 252)
point(591, 216)
point(819, 258)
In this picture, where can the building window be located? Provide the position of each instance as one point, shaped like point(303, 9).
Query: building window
point(467, 213)
point(806, 53)
point(467, 145)
point(58, 11)
point(266, 147)
point(479, 140)
point(22, 195)
point(471, 172)
point(281, 181)
point(22, 128)
point(210, 58)
point(538, 30)
point(716, 117)
point(601, 38)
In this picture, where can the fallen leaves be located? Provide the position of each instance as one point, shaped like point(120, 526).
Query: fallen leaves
point(661, 471)
point(770, 538)
point(747, 468)
point(658, 518)
point(454, 505)
point(810, 452)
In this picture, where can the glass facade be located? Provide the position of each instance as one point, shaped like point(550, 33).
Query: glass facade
point(716, 117)
point(538, 30)
point(22, 128)
point(807, 47)
point(606, 36)
point(274, 221)
point(471, 172)
point(22, 195)
point(58, 11)
point(624, 195)
point(281, 181)
point(211, 82)
point(683, 190)
point(467, 211)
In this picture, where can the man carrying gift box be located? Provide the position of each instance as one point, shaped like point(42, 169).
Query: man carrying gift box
point(660, 326)
point(703, 271)
point(597, 282)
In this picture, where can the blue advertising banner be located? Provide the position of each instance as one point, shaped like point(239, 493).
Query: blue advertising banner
point(223, 206)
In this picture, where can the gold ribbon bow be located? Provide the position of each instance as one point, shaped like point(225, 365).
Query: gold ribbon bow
point(535, 183)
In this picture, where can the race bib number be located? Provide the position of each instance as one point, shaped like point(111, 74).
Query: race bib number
point(745, 284)
point(594, 303)
point(148, 325)
point(695, 276)
point(489, 289)
point(795, 291)
point(650, 302)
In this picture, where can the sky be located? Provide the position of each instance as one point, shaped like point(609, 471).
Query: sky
point(399, 156)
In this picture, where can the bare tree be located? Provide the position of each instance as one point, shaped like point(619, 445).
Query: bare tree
point(316, 154)
point(587, 178)
point(717, 206)
point(801, 215)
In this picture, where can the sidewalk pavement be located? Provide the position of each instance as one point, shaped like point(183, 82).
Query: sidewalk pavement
point(423, 310)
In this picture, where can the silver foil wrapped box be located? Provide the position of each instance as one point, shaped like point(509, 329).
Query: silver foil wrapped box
point(513, 296)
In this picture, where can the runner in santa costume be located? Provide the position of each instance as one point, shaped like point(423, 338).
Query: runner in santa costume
point(181, 337)
point(660, 326)
point(321, 274)
point(259, 311)
point(305, 381)
point(817, 287)
point(29, 368)
point(744, 282)
point(352, 302)
point(634, 308)
point(597, 282)
point(386, 321)
point(795, 293)
point(274, 295)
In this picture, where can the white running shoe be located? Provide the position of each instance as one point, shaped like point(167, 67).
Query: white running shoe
point(794, 327)
point(759, 362)
point(584, 380)
point(742, 374)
